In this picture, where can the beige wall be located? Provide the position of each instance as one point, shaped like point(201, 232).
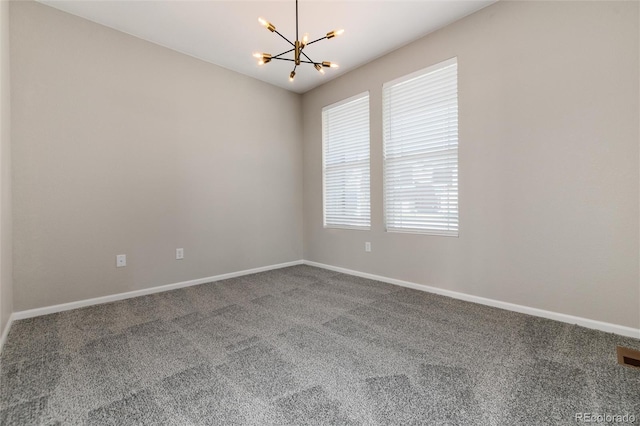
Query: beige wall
point(6, 284)
point(549, 131)
point(123, 146)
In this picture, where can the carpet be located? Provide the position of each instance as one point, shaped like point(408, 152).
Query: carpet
point(308, 346)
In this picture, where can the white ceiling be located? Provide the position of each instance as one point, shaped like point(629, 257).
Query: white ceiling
point(226, 33)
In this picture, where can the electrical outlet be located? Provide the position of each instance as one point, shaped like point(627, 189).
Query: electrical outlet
point(179, 253)
point(121, 260)
point(367, 246)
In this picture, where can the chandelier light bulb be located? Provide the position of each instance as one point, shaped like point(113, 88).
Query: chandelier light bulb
point(334, 33)
point(257, 55)
point(319, 68)
point(292, 75)
point(267, 24)
point(264, 58)
point(305, 39)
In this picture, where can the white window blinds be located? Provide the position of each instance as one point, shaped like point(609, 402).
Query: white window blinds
point(420, 133)
point(345, 141)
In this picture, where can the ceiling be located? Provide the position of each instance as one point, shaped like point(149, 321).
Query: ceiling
point(226, 33)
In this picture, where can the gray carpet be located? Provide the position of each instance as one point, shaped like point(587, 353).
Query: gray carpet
point(304, 345)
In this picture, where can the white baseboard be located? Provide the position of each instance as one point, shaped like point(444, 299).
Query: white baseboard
point(5, 332)
point(120, 296)
point(584, 322)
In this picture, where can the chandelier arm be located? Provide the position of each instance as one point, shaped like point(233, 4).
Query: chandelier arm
point(293, 60)
point(305, 55)
point(314, 41)
point(290, 42)
point(283, 53)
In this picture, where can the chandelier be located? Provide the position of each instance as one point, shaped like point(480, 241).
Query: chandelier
point(299, 56)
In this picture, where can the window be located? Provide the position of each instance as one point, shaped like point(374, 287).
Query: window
point(420, 134)
point(345, 141)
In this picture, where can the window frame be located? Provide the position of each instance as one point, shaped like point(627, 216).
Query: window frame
point(342, 102)
point(385, 87)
